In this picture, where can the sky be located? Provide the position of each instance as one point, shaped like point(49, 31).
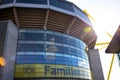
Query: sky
point(107, 19)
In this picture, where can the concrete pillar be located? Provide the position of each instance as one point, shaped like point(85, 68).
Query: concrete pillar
point(95, 64)
point(8, 44)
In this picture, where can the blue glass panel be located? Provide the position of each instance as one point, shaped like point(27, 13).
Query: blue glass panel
point(60, 62)
point(50, 61)
point(31, 47)
point(59, 54)
point(40, 53)
point(74, 63)
point(6, 1)
point(31, 36)
point(20, 53)
point(62, 4)
point(72, 41)
point(54, 38)
point(50, 37)
point(29, 53)
point(19, 61)
point(64, 40)
point(34, 57)
point(73, 52)
point(56, 49)
point(30, 61)
point(63, 49)
point(59, 58)
point(58, 39)
point(32, 1)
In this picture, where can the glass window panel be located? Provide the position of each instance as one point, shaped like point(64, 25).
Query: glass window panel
point(64, 40)
point(50, 61)
point(75, 57)
point(57, 50)
point(28, 61)
point(58, 34)
point(63, 5)
point(40, 53)
point(39, 62)
point(73, 51)
point(50, 56)
point(63, 49)
point(20, 53)
point(31, 36)
point(67, 56)
point(33, 1)
point(29, 53)
point(20, 57)
point(52, 48)
point(30, 47)
point(74, 63)
point(50, 37)
point(19, 61)
point(71, 41)
point(59, 58)
point(49, 32)
point(58, 54)
point(30, 57)
point(60, 62)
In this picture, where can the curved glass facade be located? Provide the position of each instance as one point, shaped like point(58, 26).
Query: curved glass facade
point(48, 54)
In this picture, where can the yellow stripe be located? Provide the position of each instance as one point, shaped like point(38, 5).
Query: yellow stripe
point(38, 70)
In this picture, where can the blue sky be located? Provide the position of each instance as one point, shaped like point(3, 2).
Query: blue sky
point(107, 19)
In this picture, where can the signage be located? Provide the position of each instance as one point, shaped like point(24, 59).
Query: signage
point(29, 69)
point(46, 70)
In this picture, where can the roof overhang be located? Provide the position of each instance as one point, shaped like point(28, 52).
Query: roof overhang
point(114, 46)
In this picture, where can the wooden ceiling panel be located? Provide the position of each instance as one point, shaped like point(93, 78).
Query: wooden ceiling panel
point(7, 14)
point(31, 17)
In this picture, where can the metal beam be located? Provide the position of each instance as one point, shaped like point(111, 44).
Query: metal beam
point(16, 17)
point(70, 25)
point(111, 65)
point(46, 19)
point(91, 42)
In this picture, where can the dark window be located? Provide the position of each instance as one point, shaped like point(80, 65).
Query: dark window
point(34, 57)
point(62, 4)
point(73, 51)
point(31, 47)
point(63, 49)
point(31, 36)
point(33, 1)
point(6, 1)
point(72, 42)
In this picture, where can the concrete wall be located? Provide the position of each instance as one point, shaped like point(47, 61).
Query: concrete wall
point(95, 64)
point(3, 30)
point(9, 53)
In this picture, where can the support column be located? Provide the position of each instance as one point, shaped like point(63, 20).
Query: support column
point(95, 64)
point(8, 44)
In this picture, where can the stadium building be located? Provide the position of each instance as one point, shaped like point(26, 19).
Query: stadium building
point(45, 40)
